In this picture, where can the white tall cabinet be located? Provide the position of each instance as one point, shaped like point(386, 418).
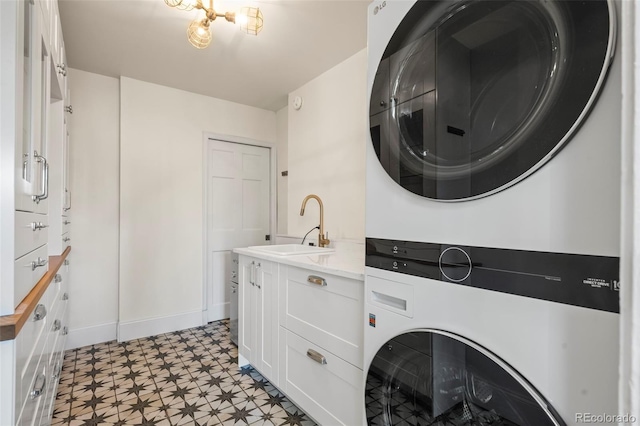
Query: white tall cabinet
point(35, 263)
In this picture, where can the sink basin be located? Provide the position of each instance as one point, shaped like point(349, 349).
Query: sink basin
point(292, 249)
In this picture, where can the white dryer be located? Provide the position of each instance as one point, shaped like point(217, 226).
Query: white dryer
point(495, 124)
point(492, 212)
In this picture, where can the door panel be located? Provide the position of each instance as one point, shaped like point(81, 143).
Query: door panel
point(237, 212)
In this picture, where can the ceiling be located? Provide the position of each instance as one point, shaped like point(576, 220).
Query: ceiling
point(147, 40)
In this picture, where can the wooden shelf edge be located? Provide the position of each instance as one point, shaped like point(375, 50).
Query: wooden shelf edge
point(10, 325)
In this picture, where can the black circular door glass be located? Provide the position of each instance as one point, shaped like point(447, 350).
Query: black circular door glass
point(472, 96)
point(437, 378)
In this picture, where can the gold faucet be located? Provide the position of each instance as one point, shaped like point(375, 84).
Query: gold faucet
point(322, 241)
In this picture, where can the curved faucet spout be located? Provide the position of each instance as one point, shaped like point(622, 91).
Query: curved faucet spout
point(322, 241)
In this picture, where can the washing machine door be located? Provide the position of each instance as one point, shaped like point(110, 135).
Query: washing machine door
point(472, 96)
point(431, 377)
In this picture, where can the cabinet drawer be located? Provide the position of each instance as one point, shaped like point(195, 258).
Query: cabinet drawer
point(66, 224)
point(66, 240)
point(329, 313)
point(27, 272)
point(331, 393)
point(30, 345)
point(34, 405)
point(31, 232)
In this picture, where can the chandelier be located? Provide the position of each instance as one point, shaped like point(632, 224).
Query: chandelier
point(199, 33)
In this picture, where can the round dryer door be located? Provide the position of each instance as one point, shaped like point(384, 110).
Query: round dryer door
point(431, 377)
point(472, 96)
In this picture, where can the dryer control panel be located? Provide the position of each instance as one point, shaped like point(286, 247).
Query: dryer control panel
point(573, 279)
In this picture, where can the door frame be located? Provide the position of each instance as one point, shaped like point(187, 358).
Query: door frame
point(205, 193)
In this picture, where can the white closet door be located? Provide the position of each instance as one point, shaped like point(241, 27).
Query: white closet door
point(238, 214)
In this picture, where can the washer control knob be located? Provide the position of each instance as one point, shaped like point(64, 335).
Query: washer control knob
point(455, 264)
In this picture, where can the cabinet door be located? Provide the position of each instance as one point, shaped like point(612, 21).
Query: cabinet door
point(246, 335)
point(266, 289)
point(31, 163)
point(66, 180)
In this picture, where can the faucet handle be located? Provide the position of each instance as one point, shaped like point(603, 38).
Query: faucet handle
point(324, 241)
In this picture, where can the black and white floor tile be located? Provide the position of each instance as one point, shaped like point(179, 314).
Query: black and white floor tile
point(189, 377)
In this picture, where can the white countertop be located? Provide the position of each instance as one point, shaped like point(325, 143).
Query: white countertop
point(344, 263)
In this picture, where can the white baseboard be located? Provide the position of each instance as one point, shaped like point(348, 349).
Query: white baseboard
point(86, 336)
point(152, 326)
point(218, 312)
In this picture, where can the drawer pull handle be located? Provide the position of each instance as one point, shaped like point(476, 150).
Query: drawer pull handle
point(66, 262)
point(314, 279)
point(36, 226)
point(65, 296)
point(66, 239)
point(65, 330)
point(40, 312)
point(56, 325)
point(57, 278)
point(316, 356)
point(56, 371)
point(66, 222)
point(38, 386)
point(38, 263)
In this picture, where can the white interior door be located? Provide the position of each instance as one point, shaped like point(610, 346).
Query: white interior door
point(238, 213)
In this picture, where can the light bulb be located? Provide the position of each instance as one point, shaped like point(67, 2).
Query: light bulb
point(199, 34)
point(250, 20)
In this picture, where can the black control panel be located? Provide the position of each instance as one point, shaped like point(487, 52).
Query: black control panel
point(579, 280)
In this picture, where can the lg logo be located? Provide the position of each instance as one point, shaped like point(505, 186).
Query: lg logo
point(379, 8)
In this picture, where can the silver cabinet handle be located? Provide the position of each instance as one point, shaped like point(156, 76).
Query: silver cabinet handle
point(36, 226)
point(316, 356)
point(66, 239)
point(233, 290)
point(56, 325)
point(66, 222)
point(39, 312)
point(56, 371)
point(251, 272)
point(65, 296)
point(38, 386)
point(69, 109)
point(66, 262)
point(45, 178)
point(57, 278)
point(65, 330)
point(314, 279)
point(38, 263)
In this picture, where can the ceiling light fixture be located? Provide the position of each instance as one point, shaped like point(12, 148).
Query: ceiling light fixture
point(199, 33)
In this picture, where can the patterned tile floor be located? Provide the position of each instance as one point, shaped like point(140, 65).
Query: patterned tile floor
point(190, 377)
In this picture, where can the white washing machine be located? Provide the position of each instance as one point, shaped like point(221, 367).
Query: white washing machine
point(492, 212)
point(442, 354)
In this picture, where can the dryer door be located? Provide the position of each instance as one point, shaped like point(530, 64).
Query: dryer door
point(472, 96)
point(433, 377)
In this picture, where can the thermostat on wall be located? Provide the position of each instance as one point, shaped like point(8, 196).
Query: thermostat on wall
point(297, 102)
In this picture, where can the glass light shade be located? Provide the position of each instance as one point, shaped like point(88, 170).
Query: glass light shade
point(199, 33)
point(185, 4)
point(173, 3)
point(250, 20)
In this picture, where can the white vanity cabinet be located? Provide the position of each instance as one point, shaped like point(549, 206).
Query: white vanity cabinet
point(258, 315)
point(321, 338)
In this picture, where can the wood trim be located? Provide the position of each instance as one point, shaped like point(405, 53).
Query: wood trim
point(10, 325)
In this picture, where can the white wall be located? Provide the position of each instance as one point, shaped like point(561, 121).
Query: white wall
point(282, 148)
point(94, 155)
point(161, 199)
point(327, 150)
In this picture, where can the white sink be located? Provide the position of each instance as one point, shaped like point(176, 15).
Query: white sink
point(292, 249)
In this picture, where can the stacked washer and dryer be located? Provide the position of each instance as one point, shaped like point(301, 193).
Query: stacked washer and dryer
point(492, 215)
